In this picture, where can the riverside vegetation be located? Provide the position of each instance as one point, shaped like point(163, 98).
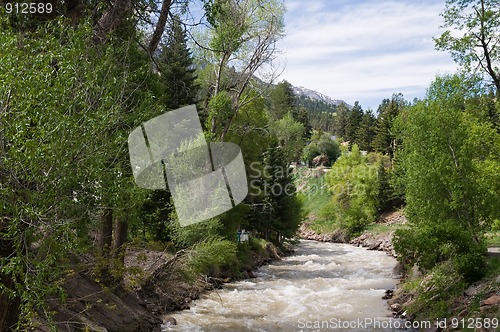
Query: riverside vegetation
point(83, 248)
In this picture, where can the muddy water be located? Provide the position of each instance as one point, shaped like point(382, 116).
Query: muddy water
point(322, 287)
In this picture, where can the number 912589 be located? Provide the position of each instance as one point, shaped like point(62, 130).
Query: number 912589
point(28, 8)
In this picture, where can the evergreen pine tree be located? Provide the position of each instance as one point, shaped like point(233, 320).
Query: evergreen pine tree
point(282, 100)
point(284, 214)
point(176, 67)
point(384, 139)
point(300, 115)
point(178, 76)
point(341, 120)
point(353, 122)
point(381, 140)
point(365, 132)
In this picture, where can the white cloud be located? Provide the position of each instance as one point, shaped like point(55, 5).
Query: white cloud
point(364, 50)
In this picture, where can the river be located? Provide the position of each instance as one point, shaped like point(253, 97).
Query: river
point(321, 287)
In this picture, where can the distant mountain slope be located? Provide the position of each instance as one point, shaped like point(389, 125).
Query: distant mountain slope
point(302, 91)
point(321, 109)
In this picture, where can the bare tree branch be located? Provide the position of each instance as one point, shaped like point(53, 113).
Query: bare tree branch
point(110, 20)
point(160, 27)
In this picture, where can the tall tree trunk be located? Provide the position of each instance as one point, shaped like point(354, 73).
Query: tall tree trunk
point(110, 20)
point(120, 238)
point(105, 242)
point(160, 27)
point(121, 232)
point(106, 231)
point(486, 51)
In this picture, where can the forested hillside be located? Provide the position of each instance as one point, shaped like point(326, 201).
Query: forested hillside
point(75, 80)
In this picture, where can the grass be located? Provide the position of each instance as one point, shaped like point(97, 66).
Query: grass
point(324, 226)
point(376, 228)
point(493, 266)
point(314, 198)
point(493, 239)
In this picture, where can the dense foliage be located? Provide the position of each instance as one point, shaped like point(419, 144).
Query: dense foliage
point(355, 191)
point(451, 180)
point(75, 83)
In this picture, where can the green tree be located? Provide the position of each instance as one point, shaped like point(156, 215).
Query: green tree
point(355, 191)
point(365, 131)
point(452, 171)
point(353, 122)
point(321, 144)
point(476, 46)
point(64, 117)
point(283, 213)
point(384, 139)
point(300, 115)
point(177, 68)
point(178, 77)
point(242, 36)
point(289, 134)
point(282, 99)
point(250, 129)
point(341, 121)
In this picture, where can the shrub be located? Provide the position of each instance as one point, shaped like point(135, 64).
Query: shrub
point(355, 188)
point(213, 257)
point(321, 145)
point(436, 291)
point(432, 244)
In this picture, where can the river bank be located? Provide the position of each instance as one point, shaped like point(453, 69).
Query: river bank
point(153, 287)
point(154, 293)
point(476, 307)
point(379, 239)
point(322, 286)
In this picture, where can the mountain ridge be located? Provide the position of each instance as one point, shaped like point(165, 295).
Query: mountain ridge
point(315, 95)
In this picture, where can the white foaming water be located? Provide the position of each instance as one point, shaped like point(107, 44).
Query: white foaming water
point(322, 287)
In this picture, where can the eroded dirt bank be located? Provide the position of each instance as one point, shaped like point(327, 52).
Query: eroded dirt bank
point(153, 288)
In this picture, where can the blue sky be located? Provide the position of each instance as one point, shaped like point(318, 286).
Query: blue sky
point(363, 50)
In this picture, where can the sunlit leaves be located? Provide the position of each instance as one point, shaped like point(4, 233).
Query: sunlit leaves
point(450, 159)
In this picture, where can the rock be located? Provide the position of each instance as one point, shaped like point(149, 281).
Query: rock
point(374, 246)
point(399, 269)
point(251, 274)
point(169, 321)
point(492, 300)
point(471, 291)
point(327, 238)
point(396, 307)
point(273, 252)
point(388, 294)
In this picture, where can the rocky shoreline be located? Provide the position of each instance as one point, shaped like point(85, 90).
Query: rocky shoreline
point(380, 242)
point(371, 241)
point(483, 293)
